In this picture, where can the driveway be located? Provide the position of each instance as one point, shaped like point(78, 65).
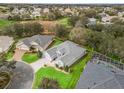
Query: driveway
point(18, 54)
point(38, 64)
point(22, 77)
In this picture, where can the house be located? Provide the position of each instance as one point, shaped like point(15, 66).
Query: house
point(98, 75)
point(4, 16)
point(120, 14)
point(64, 54)
point(103, 14)
point(5, 43)
point(15, 11)
point(36, 12)
point(39, 42)
point(92, 21)
point(46, 10)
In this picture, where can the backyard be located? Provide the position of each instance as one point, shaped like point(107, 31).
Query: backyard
point(65, 80)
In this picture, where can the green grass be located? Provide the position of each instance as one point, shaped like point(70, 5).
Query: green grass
point(9, 55)
point(4, 22)
point(78, 69)
point(64, 21)
point(57, 41)
point(51, 73)
point(30, 57)
point(65, 80)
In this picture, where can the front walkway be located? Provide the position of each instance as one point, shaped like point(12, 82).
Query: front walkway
point(38, 64)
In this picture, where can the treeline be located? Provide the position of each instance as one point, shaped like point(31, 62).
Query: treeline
point(19, 30)
point(106, 39)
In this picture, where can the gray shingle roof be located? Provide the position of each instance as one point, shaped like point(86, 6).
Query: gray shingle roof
point(70, 51)
point(100, 76)
point(41, 40)
point(5, 43)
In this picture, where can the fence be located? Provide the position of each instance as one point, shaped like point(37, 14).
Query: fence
point(115, 63)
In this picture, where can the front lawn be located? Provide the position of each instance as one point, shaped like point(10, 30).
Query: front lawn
point(65, 80)
point(51, 73)
point(30, 57)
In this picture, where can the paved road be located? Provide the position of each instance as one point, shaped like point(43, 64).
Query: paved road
point(23, 76)
point(38, 64)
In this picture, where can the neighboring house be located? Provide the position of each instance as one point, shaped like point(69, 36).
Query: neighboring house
point(68, 12)
point(15, 11)
point(4, 16)
point(46, 10)
point(107, 19)
point(65, 54)
point(101, 75)
point(92, 21)
point(22, 11)
point(5, 43)
point(39, 42)
point(103, 14)
point(36, 12)
point(120, 14)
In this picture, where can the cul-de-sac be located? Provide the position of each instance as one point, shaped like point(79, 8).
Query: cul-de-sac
point(64, 46)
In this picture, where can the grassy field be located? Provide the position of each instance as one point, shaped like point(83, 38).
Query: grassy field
point(64, 21)
point(66, 81)
point(4, 22)
point(30, 57)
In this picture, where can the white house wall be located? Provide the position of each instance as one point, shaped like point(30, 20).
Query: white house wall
point(47, 56)
point(23, 47)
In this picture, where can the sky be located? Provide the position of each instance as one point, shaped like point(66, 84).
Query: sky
point(64, 1)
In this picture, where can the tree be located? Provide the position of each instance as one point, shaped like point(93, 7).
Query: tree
point(118, 48)
point(4, 79)
point(117, 20)
point(49, 84)
point(93, 39)
point(82, 22)
point(61, 31)
point(73, 19)
point(116, 30)
point(77, 34)
point(90, 13)
point(23, 29)
point(97, 27)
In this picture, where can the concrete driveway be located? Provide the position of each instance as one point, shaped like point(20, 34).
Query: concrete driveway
point(38, 64)
point(18, 54)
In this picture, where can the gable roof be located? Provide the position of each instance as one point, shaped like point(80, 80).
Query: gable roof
point(100, 76)
point(41, 40)
point(70, 51)
point(5, 43)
